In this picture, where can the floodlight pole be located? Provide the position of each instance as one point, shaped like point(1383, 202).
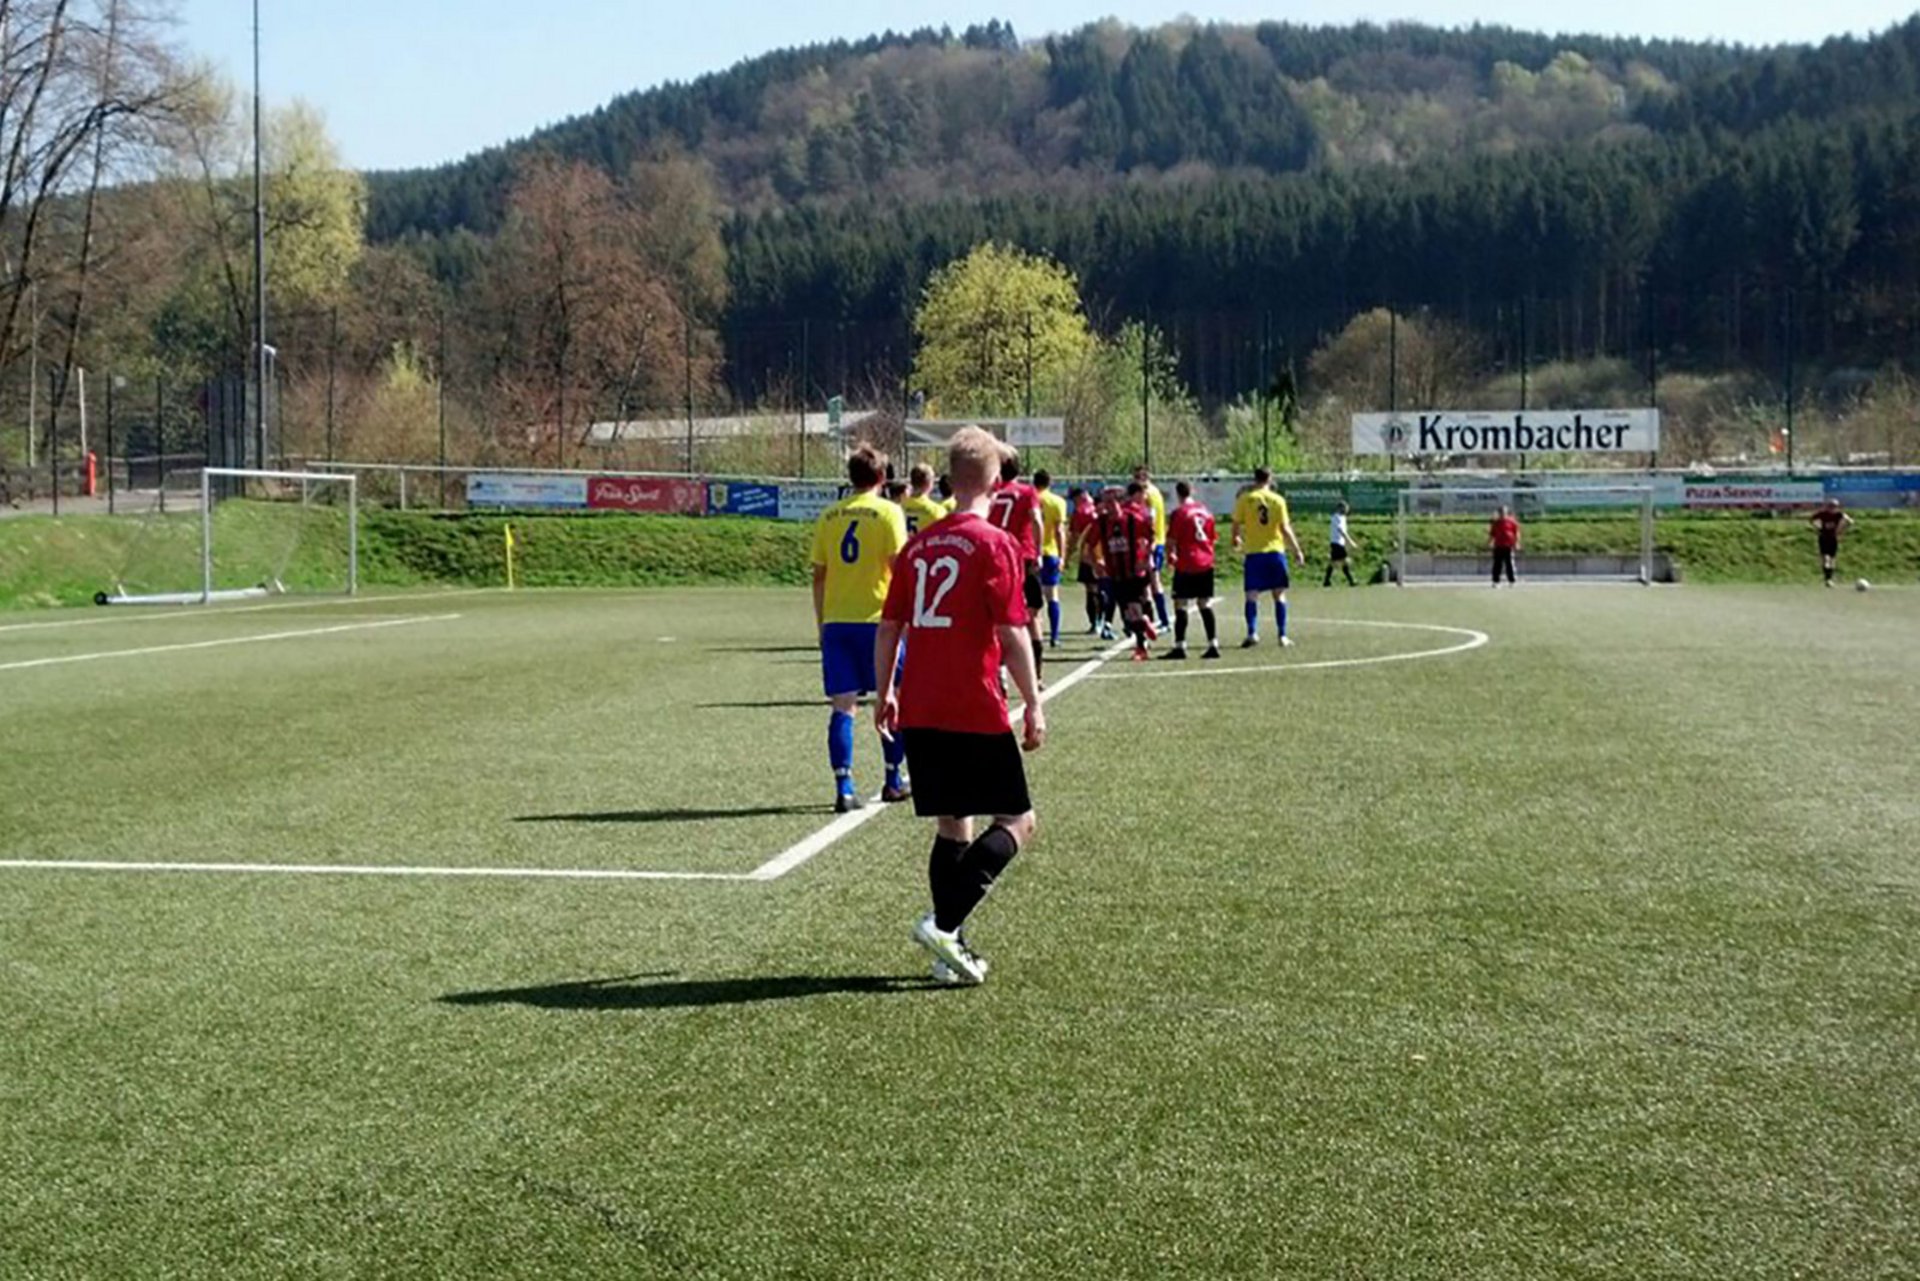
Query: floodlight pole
point(259, 263)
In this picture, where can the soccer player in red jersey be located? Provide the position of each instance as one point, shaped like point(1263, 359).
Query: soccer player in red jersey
point(1503, 536)
point(1191, 533)
point(957, 594)
point(1015, 507)
point(1080, 513)
point(1126, 538)
point(1831, 522)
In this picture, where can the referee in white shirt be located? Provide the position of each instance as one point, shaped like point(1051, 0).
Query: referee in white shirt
point(1337, 556)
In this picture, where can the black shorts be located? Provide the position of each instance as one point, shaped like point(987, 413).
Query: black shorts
point(1131, 591)
point(1086, 574)
point(1035, 594)
point(1197, 585)
point(1829, 544)
point(1337, 552)
point(958, 775)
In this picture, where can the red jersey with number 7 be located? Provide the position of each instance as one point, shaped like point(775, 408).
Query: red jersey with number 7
point(1190, 529)
point(1015, 507)
point(954, 585)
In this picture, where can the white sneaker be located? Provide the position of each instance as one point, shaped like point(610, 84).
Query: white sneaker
point(943, 973)
point(1286, 642)
point(951, 951)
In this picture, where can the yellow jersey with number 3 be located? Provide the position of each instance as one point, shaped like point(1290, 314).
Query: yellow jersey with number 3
point(1260, 518)
point(1053, 518)
point(855, 542)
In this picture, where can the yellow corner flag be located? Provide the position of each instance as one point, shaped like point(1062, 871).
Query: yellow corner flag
point(509, 534)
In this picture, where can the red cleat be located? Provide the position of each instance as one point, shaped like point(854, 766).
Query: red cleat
point(1140, 656)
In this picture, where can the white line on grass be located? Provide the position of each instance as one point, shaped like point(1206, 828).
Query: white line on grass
point(772, 869)
point(324, 869)
point(1474, 640)
point(140, 614)
point(780, 864)
point(228, 640)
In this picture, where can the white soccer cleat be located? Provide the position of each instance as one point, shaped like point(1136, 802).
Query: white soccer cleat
point(950, 951)
point(1286, 642)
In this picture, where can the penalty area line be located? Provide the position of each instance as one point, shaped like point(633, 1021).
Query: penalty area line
point(846, 824)
point(145, 650)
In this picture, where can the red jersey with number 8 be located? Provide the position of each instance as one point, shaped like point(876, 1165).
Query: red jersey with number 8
point(1191, 531)
point(954, 585)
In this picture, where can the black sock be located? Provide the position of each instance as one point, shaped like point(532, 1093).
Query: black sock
point(943, 873)
point(1206, 621)
point(1180, 629)
point(1826, 572)
point(978, 869)
point(1093, 609)
point(1039, 659)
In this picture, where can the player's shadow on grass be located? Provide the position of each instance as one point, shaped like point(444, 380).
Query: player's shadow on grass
point(763, 705)
point(676, 815)
point(646, 992)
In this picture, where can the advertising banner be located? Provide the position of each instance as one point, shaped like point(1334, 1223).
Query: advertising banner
point(1888, 490)
point(1758, 495)
point(626, 493)
point(732, 498)
point(1532, 431)
point(513, 490)
point(807, 501)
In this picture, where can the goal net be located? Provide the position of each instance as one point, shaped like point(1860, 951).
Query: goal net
point(1568, 533)
point(224, 533)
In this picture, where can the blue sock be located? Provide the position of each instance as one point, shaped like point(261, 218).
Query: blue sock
point(1160, 607)
point(895, 750)
point(1280, 615)
point(840, 748)
point(1253, 618)
point(1053, 622)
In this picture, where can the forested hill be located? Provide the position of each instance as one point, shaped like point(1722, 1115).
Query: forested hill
point(933, 115)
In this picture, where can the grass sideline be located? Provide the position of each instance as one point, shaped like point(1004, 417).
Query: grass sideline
point(47, 562)
point(1585, 954)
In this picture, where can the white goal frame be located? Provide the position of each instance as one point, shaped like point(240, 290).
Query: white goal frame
point(1568, 499)
point(207, 595)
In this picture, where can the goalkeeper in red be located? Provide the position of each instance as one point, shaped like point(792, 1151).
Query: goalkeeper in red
point(958, 593)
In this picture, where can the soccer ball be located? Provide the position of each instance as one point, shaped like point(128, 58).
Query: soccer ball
point(1861, 585)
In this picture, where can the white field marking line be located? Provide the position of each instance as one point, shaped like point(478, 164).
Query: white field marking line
point(772, 869)
point(135, 614)
point(780, 864)
point(227, 640)
point(344, 869)
point(1475, 639)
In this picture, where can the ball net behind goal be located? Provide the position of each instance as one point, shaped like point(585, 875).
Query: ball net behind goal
point(1587, 533)
point(216, 534)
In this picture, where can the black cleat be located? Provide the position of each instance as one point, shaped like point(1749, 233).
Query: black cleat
point(1213, 651)
point(1249, 642)
point(847, 802)
point(894, 795)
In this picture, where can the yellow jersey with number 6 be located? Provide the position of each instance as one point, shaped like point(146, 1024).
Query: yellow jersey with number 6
point(855, 542)
point(1260, 518)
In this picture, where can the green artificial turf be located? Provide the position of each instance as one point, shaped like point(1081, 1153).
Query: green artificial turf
point(1586, 953)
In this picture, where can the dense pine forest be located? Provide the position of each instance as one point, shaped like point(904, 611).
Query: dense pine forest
point(1720, 204)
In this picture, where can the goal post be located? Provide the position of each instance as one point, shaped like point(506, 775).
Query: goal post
point(1569, 533)
point(260, 533)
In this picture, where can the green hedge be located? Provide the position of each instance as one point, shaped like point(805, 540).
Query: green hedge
point(64, 562)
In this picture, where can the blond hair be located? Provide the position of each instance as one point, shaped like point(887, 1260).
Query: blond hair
point(975, 455)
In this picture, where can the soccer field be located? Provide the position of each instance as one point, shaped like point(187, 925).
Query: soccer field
point(1586, 951)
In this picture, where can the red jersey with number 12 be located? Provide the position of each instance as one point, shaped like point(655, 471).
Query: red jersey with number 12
point(954, 585)
point(1190, 529)
point(1014, 508)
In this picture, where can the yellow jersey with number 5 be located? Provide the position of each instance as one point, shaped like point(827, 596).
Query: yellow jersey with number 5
point(1260, 518)
point(855, 542)
point(922, 510)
